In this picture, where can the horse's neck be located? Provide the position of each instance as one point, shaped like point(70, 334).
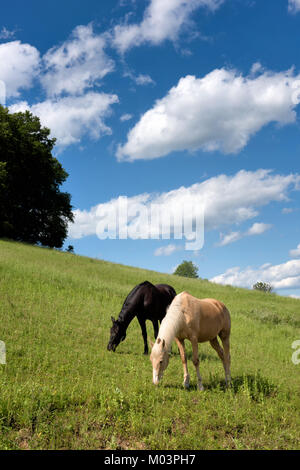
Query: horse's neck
point(170, 326)
point(126, 316)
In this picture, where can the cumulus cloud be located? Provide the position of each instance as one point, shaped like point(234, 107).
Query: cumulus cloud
point(143, 79)
point(296, 252)
point(162, 20)
point(126, 117)
point(67, 73)
point(258, 228)
point(294, 6)
point(140, 79)
point(229, 238)
point(281, 276)
point(227, 200)
point(72, 117)
point(19, 66)
point(167, 250)
point(255, 229)
point(76, 64)
point(220, 111)
point(6, 33)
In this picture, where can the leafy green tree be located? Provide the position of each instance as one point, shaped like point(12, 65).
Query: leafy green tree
point(32, 207)
point(186, 269)
point(263, 286)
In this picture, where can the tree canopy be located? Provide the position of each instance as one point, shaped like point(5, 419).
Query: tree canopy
point(32, 207)
point(187, 269)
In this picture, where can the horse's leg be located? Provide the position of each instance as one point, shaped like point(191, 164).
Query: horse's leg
point(226, 345)
point(155, 328)
point(221, 353)
point(216, 345)
point(196, 362)
point(142, 323)
point(186, 377)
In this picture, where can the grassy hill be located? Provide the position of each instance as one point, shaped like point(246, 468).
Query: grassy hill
point(61, 388)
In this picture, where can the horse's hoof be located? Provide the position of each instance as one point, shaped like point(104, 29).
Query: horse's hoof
point(186, 384)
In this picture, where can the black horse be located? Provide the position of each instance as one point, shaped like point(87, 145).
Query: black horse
point(146, 302)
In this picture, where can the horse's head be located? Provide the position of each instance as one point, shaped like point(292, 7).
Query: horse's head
point(160, 359)
point(117, 334)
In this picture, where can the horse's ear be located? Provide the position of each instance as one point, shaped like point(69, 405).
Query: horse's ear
point(151, 343)
point(112, 319)
point(159, 341)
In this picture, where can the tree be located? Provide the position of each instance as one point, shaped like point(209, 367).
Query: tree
point(186, 269)
point(70, 249)
point(263, 286)
point(32, 207)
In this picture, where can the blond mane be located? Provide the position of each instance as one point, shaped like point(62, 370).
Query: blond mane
point(172, 322)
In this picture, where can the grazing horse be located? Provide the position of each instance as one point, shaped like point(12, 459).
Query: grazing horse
point(146, 302)
point(197, 320)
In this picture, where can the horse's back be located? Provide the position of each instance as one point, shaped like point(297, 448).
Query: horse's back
point(205, 318)
point(156, 299)
point(216, 308)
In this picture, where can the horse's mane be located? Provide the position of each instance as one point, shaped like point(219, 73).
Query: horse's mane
point(172, 322)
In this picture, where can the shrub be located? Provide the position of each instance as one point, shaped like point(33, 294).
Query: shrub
point(263, 286)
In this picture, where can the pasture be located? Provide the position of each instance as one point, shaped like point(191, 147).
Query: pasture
point(62, 389)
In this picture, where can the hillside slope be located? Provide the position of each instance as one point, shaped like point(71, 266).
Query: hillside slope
point(61, 388)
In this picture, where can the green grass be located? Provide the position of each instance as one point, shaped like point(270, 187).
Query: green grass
point(61, 388)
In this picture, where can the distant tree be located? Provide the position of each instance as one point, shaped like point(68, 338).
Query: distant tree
point(186, 269)
point(70, 249)
point(263, 286)
point(32, 207)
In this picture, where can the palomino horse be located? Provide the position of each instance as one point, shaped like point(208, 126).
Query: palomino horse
point(146, 302)
point(197, 320)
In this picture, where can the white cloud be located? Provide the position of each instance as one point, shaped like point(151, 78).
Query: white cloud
point(144, 79)
point(19, 65)
point(227, 200)
point(126, 117)
point(256, 68)
point(287, 210)
point(6, 34)
point(229, 238)
point(281, 276)
point(256, 229)
point(294, 6)
point(162, 20)
point(141, 79)
point(295, 253)
point(167, 250)
point(77, 64)
point(73, 117)
point(220, 111)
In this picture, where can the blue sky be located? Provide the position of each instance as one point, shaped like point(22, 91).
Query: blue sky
point(165, 102)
